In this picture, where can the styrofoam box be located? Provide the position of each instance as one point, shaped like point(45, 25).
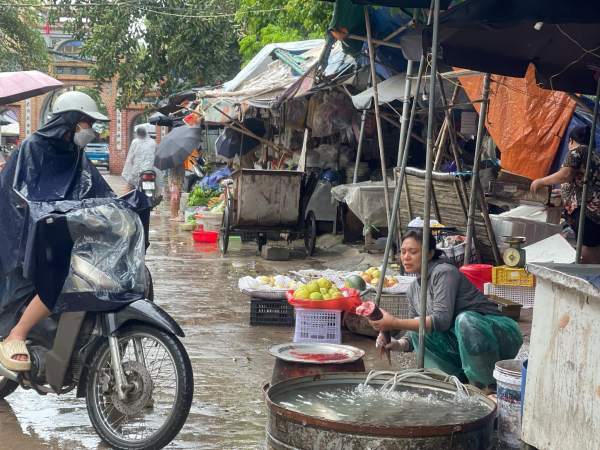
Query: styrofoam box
point(523, 295)
point(533, 230)
point(318, 325)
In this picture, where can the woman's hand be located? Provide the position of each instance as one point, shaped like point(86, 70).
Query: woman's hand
point(394, 346)
point(1, 166)
point(537, 184)
point(387, 323)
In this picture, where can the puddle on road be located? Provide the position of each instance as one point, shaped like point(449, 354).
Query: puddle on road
point(197, 285)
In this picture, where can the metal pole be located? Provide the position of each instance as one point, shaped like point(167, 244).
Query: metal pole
point(428, 183)
point(475, 179)
point(378, 118)
point(361, 137)
point(586, 180)
point(398, 191)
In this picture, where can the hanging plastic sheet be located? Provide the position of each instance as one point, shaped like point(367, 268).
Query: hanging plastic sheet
point(366, 200)
point(526, 122)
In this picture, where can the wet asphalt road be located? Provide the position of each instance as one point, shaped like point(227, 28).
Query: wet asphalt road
point(198, 287)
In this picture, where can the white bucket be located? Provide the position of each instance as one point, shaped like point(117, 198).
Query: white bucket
point(363, 172)
point(508, 377)
point(212, 221)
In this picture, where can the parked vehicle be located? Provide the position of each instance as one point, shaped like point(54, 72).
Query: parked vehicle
point(98, 154)
point(127, 362)
point(150, 186)
point(192, 176)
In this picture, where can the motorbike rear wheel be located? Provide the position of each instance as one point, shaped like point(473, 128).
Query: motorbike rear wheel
point(157, 409)
point(7, 387)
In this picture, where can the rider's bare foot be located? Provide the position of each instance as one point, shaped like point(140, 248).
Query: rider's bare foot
point(16, 337)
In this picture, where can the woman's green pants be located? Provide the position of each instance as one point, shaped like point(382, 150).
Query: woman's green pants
point(473, 346)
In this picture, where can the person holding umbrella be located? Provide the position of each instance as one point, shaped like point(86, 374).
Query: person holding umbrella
point(171, 153)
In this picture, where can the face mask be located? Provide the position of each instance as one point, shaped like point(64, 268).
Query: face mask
point(84, 137)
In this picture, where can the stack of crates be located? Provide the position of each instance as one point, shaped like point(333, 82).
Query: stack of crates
point(318, 325)
point(512, 284)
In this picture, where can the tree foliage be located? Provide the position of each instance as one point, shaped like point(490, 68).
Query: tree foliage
point(286, 21)
point(22, 46)
point(168, 48)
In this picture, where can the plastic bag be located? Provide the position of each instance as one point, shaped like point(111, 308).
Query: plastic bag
point(108, 251)
point(473, 346)
point(174, 193)
point(331, 117)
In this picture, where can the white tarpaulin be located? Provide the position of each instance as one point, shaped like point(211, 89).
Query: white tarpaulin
point(260, 63)
point(10, 130)
point(388, 90)
point(366, 200)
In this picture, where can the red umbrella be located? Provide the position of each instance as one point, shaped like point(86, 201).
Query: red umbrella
point(17, 86)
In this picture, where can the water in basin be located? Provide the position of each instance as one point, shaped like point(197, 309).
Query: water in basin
point(367, 405)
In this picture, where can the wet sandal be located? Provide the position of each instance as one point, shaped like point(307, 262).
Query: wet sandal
point(13, 348)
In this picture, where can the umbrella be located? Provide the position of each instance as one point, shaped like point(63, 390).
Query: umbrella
point(177, 146)
point(161, 120)
point(17, 86)
point(170, 104)
point(559, 37)
point(228, 144)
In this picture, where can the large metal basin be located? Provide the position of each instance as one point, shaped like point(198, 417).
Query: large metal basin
point(288, 429)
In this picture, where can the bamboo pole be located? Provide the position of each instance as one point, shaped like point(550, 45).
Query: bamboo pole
point(361, 138)
point(401, 181)
point(475, 179)
point(428, 185)
point(586, 180)
point(378, 117)
point(250, 133)
point(377, 41)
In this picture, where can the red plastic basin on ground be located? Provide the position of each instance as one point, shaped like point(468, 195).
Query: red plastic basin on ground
point(206, 236)
point(478, 274)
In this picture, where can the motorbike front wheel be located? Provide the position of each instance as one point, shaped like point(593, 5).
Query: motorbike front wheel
point(7, 387)
point(157, 365)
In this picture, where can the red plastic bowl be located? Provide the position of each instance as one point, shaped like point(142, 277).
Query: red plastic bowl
point(205, 236)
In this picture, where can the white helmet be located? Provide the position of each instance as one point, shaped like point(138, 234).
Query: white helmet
point(78, 101)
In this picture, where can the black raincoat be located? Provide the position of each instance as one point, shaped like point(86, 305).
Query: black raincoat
point(46, 177)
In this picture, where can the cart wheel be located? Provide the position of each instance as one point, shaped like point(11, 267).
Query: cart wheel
point(261, 239)
point(225, 230)
point(310, 233)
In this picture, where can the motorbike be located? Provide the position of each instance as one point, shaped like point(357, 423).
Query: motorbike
point(126, 360)
point(194, 175)
point(149, 185)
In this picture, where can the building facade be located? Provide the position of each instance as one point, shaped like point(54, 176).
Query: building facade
point(73, 71)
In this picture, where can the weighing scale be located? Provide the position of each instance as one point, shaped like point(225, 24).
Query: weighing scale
point(515, 255)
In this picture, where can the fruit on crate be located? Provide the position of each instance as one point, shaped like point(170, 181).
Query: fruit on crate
point(356, 282)
point(324, 283)
point(301, 293)
point(368, 278)
point(316, 296)
point(313, 286)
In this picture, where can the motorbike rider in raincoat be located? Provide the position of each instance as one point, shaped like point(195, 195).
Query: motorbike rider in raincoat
point(139, 159)
point(49, 166)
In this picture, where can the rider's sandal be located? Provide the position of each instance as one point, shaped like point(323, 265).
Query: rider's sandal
point(13, 348)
